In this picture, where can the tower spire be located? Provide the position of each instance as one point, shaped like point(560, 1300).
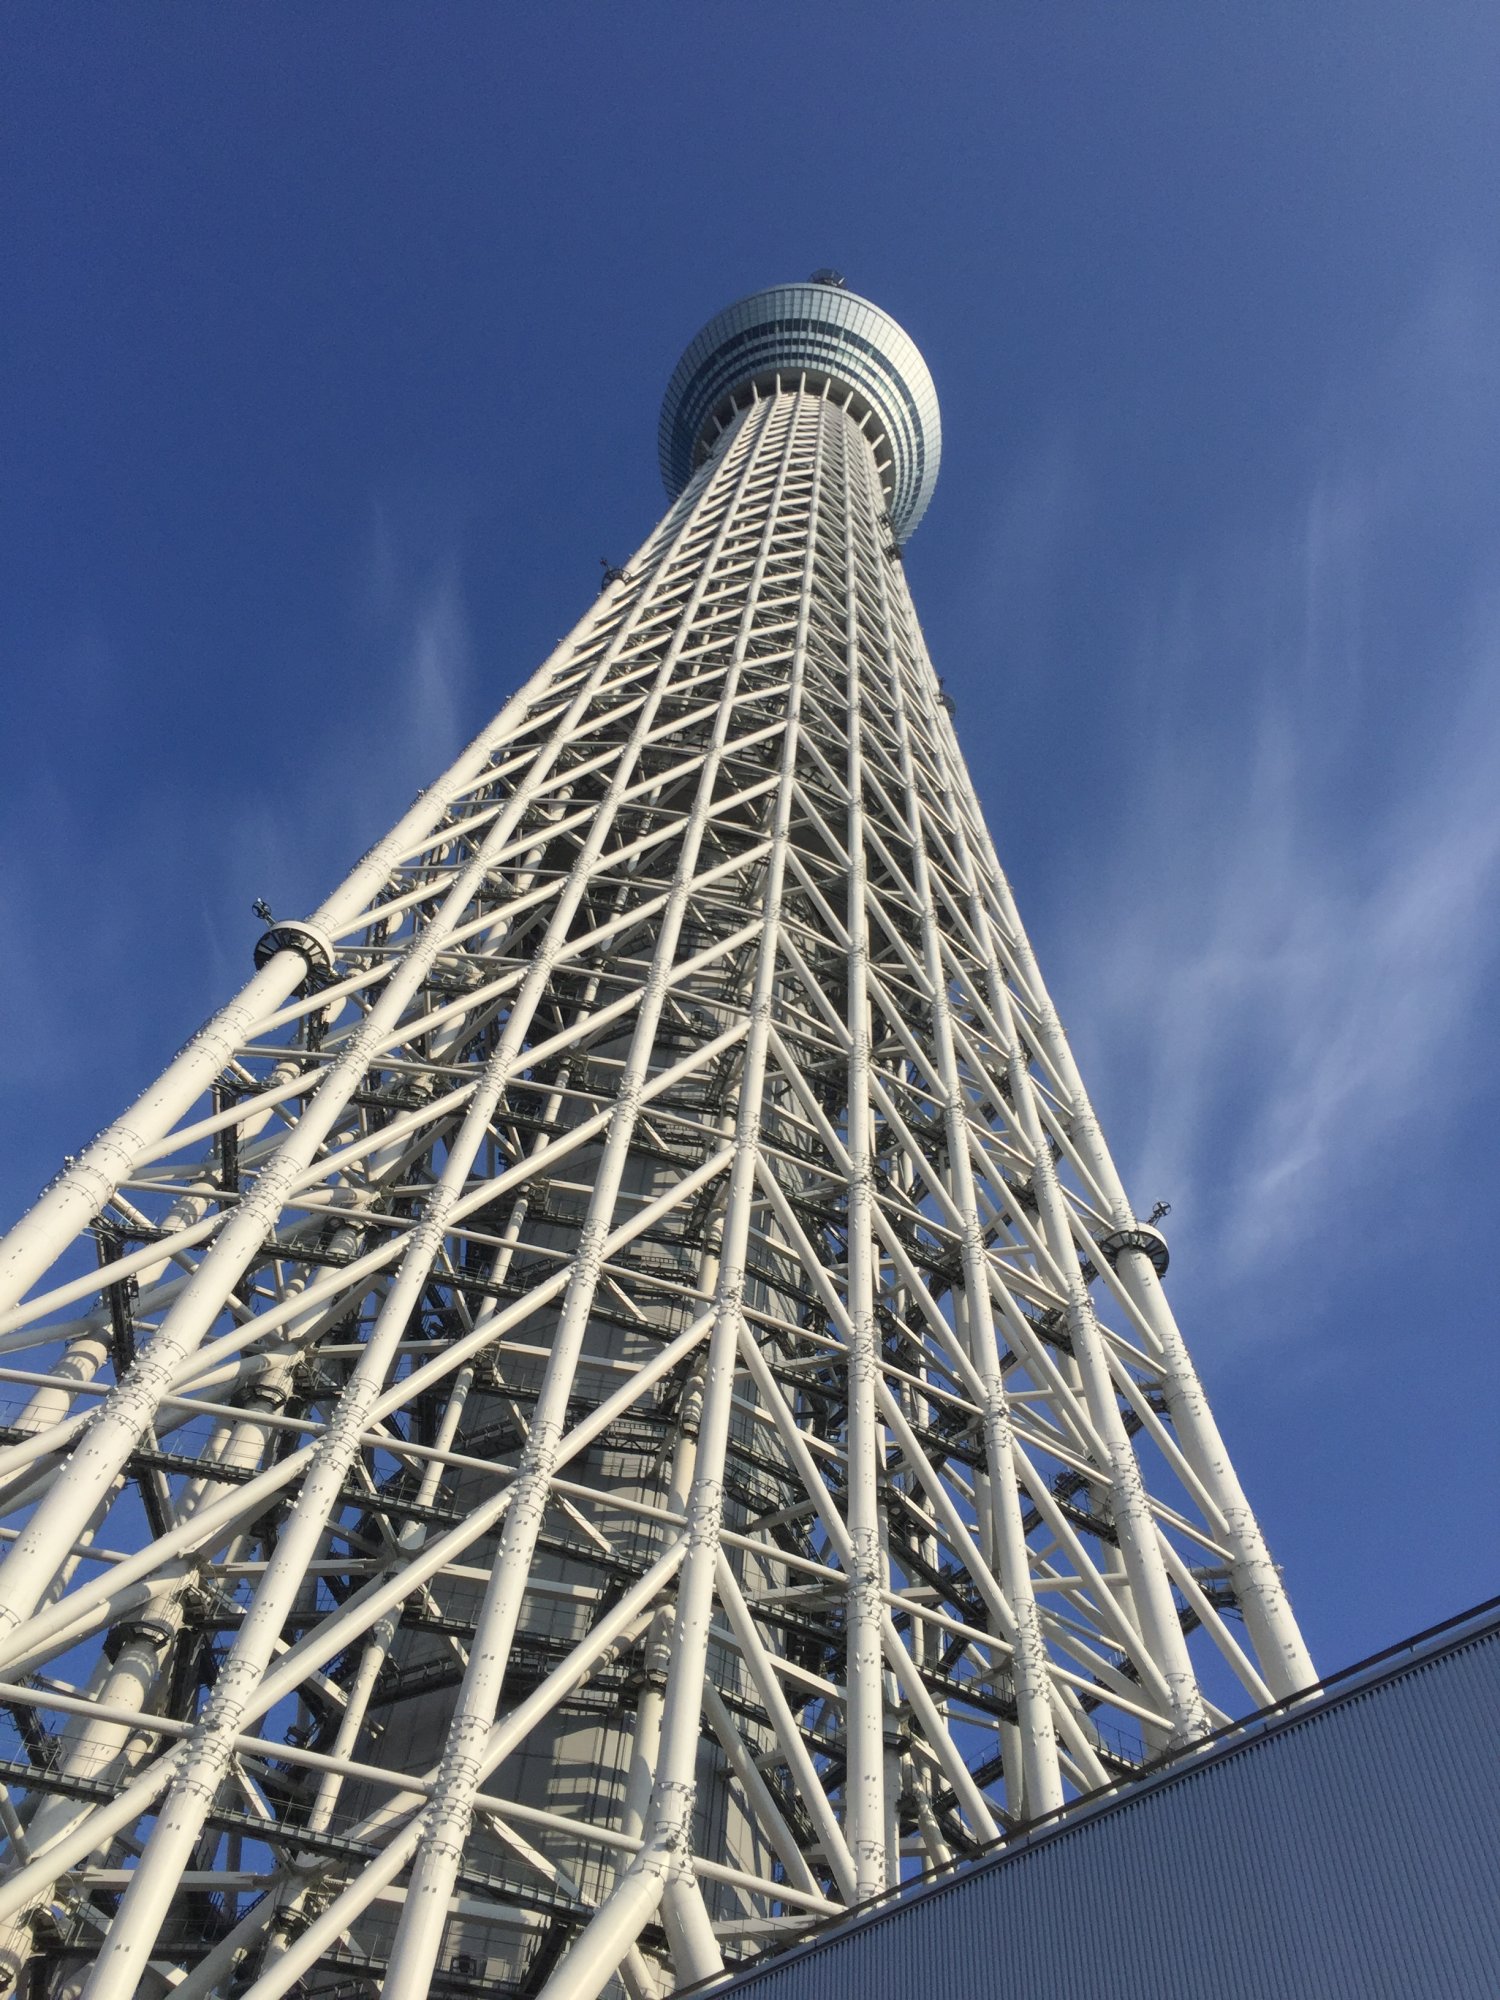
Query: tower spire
point(612, 1401)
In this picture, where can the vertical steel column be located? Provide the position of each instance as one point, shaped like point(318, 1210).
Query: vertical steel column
point(666, 1834)
point(864, 1695)
point(425, 1911)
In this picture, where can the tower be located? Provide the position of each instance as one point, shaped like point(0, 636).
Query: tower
point(612, 1401)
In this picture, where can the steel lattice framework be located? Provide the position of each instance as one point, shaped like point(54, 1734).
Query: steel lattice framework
point(612, 1401)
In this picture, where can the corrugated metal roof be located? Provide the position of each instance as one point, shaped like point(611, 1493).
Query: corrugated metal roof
point(1346, 1848)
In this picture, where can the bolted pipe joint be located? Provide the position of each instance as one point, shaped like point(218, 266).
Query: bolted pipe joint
point(296, 934)
point(1139, 1236)
point(157, 1633)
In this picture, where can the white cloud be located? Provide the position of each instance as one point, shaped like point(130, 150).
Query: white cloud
point(158, 888)
point(436, 680)
point(1282, 991)
point(1025, 542)
point(404, 710)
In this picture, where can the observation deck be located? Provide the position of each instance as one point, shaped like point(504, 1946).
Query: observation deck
point(835, 337)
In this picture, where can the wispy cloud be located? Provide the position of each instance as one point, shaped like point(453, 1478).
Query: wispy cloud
point(415, 626)
point(281, 817)
point(1285, 985)
point(104, 969)
point(437, 679)
point(1026, 541)
point(410, 658)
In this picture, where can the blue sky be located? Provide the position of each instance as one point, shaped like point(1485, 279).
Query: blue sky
point(334, 342)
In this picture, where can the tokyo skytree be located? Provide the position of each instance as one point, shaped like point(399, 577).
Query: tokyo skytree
point(612, 1403)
